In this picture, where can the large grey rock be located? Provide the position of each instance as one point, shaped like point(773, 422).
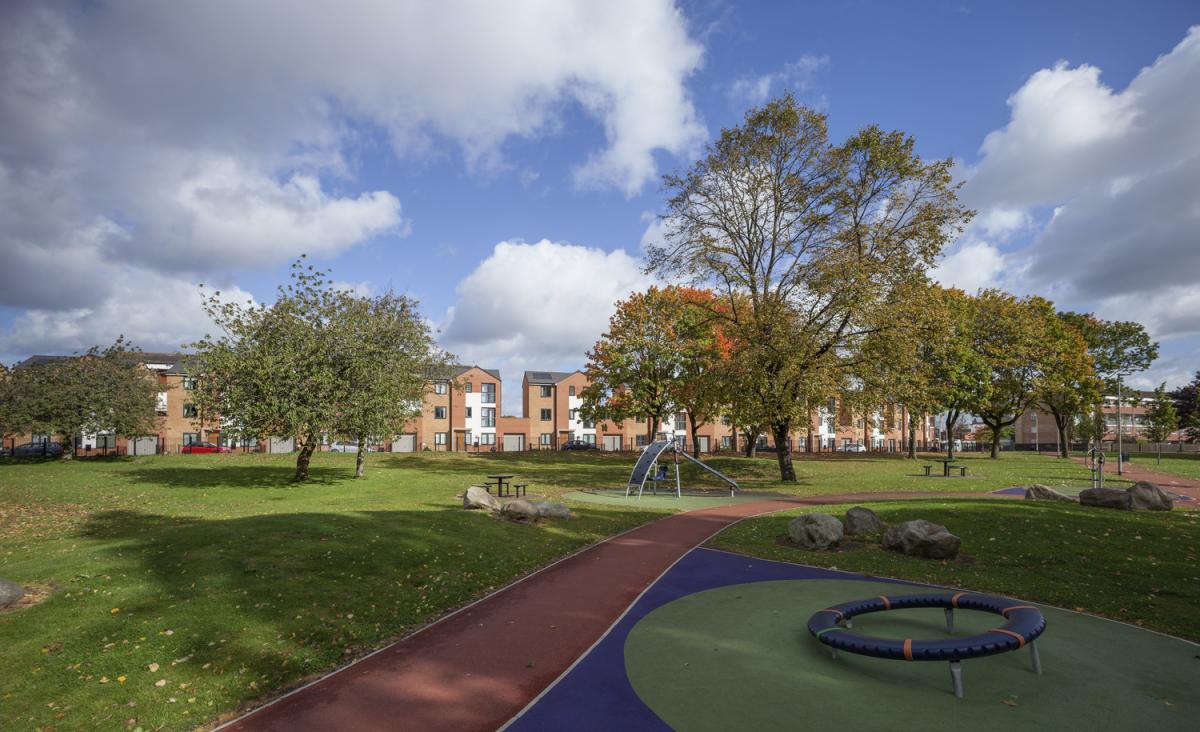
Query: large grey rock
point(1038, 492)
point(815, 530)
point(10, 592)
point(478, 497)
point(1107, 498)
point(552, 509)
point(862, 521)
point(1149, 497)
point(921, 538)
point(520, 510)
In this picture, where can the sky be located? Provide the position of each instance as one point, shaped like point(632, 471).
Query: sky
point(502, 162)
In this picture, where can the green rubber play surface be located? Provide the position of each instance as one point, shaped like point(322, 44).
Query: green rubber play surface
point(665, 500)
point(740, 658)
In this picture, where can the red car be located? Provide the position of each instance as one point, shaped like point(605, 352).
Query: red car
point(198, 448)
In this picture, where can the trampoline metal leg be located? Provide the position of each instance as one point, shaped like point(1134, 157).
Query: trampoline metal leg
point(1037, 660)
point(949, 620)
point(849, 623)
point(833, 653)
point(956, 678)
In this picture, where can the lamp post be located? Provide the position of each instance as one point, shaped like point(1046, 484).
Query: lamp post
point(1037, 444)
point(1120, 429)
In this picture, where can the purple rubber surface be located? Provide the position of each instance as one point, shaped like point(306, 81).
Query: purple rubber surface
point(597, 695)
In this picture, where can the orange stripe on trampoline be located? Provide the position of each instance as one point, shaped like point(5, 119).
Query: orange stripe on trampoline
point(1020, 638)
point(840, 614)
point(954, 600)
point(887, 604)
point(1007, 610)
point(908, 649)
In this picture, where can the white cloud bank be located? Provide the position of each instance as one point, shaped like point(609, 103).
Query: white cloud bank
point(1121, 170)
point(189, 139)
point(537, 306)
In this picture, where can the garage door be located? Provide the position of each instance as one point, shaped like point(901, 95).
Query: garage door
point(514, 443)
point(405, 443)
point(703, 440)
point(281, 444)
point(612, 443)
point(143, 445)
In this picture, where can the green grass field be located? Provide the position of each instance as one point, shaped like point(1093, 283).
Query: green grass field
point(182, 587)
point(1183, 464)
point(1139, 567)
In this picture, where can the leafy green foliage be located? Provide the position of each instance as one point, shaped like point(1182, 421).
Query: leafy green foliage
point(1161, 418)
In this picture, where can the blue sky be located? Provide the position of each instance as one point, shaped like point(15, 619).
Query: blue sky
point(503, 164)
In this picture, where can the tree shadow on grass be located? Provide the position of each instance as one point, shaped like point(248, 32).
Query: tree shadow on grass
point(236, 475)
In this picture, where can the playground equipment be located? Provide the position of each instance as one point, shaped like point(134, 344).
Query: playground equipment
point(1096, 464)
point(831, 626)
point(650, 457)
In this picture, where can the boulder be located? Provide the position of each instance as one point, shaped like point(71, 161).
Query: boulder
point(862, 521)
point(10, 592)
point(921, 538)
point(1107, 498)
point(520, 510)
point(551, 509)
point(1038, 492)
point(478, 497)
point(815, 530)
point(1149, 497)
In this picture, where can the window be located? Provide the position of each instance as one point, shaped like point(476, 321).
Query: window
point(191, 438)
point(439, 413)
point(590, 439)
point(680, 422)
point(189, 382)
point(468, 387)
point(640, 440)
point(489, 393)
point(439, 438)
point(762, 442)
point(545, 390)
point(544, 438)
point(487, 438)
point(545, 415)
point(39, 438)
point(489, 417)
point(801, 443)
point(726, 421)
point(189, 410)
point(439, 388)
point(573, 414)
point(589, 424)
point(161, 405)
point(726, 442)
point(468, 412)
point(570, 391)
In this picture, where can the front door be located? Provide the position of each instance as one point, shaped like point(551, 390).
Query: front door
point(702, 440)
point(612, 443)
point(460, 441)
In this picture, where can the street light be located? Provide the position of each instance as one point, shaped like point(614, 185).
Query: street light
point(1120, 429)
point(1037, 444)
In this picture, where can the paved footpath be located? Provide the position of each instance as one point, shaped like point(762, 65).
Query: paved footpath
point(475, 669)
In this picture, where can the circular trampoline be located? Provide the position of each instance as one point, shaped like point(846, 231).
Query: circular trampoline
point(1024, 623)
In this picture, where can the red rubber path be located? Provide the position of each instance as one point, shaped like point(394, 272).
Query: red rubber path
point(476, 669)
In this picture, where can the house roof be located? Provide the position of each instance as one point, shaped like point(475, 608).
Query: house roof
point(455, 370)
point(547, 377)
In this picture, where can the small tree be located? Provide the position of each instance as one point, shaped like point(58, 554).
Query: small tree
point(1161, 419)
point(1187, 403)
point(1090, 425)
point(100, 391)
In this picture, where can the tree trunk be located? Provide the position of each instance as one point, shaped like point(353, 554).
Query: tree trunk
point(751, 443)
point(303, 458)
point(1060, 421)
point(695, 436)
point(951, 420)
point(68, 447)
point(787, 471)
point(912, 436)
point(361, 458)
point(995, 442)
point(651, 429)
point(808, 441)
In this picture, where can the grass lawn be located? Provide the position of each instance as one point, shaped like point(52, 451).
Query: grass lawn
point(184, 586)
point(1140, 567)
point(1183, 464)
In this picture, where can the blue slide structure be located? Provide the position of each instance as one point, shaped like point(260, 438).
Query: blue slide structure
point(650, 457)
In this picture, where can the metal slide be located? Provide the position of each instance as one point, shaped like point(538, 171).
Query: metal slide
point(651, 455)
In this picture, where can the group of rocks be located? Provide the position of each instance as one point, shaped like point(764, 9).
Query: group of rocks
point(918, 538)
point(520, 509)
point(10, 592)
point(1143, 496)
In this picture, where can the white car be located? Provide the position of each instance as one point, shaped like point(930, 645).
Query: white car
point(347, 447)
point(856, 447)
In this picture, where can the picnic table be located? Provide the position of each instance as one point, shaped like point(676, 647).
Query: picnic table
point(947, 464)
point(504, 485)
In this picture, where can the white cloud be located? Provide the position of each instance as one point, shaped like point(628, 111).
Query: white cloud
point(193, 139)
point(973, 266)
point(537, 306)
point(1121, 171)
point(796, 76)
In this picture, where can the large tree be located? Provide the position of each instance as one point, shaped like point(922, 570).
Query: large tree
point(804, 241)
point(1068, 385)
point(102, 390)
point(383, 350)
point(301, 365)
point(1010, 335)
point(1187, 404)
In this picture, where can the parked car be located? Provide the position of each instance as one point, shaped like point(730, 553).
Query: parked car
point(201, 448)
point(36, 449)
point(578, 445)
point(348, 447)
point(856, 447)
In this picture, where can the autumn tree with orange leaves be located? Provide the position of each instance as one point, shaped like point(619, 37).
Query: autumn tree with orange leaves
point(662, 353)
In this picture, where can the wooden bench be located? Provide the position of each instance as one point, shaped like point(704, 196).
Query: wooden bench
point(519, 489)
point(962, 470)
point(927, 469)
